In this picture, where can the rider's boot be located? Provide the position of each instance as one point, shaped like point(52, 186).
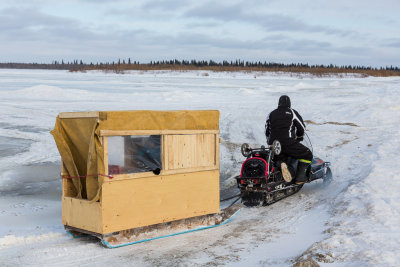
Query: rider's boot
point(302, 166)
point(286, 173)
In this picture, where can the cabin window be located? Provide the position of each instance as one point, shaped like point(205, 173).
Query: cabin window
point(134, 154)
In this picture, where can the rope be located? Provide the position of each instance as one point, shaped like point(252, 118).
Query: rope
point(234, 202)
point(229, 198)
point(84, 176)
point(105, 243)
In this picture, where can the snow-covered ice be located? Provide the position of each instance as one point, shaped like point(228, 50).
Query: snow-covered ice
point(353, 122)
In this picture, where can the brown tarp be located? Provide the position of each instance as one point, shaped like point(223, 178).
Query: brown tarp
point(77, 135)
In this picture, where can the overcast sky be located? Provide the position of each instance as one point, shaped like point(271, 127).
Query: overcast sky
point(357, 32)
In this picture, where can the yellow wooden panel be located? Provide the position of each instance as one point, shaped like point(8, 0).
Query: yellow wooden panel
point(81, 214)
point(105, 157)
point(139, 202)
point(154, 132)
point(68, 188)
point(127, 176)
point(75, 115)
point(164, 153)
point(217, 142)
point(190, 151)
point(159, 120)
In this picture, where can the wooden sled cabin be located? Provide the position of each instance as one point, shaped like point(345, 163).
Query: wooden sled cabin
point(128, 169)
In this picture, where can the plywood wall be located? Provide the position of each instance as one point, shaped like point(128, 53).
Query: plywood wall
point(68, 188)
point(140, 202)
point(188, 186)
point(82, 214)
point(190, 151)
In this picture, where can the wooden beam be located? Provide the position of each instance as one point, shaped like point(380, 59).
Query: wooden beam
point(105, 148)
point(190, 151)
point(189, 170)
point(164, 152)
point(155, 132)
point(140, 202)
point(217, 141)
point(128, 176)
point(68, 189)
point(81, 213)
point(73, 115)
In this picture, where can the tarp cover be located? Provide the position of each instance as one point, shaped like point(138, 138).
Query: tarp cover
point(77, 135)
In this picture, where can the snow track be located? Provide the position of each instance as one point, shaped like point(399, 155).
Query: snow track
point(354, 124)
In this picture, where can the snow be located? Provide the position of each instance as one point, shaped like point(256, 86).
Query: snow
point(354, 124)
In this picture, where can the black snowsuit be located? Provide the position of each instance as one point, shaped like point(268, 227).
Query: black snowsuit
point(285, 124)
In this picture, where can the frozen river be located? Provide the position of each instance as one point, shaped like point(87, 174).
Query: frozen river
point(353, 123)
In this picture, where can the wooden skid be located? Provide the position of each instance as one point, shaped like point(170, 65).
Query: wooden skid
point(148, 233)
point(162, 230)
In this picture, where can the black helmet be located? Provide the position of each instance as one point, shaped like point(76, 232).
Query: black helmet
point(284, 101)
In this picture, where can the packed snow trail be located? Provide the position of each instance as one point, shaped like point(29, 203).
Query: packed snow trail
point(352, 122)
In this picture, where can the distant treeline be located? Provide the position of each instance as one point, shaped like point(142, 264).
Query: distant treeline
point(237, 65)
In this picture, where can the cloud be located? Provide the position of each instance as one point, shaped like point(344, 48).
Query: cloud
point(213, 10)
point(149, 10)
point(268, 21)
point(30, 24)
point(209, 24)
point(196, 40)
point(189, 40)
point(17, 18)
point(164, 5)
point(282, 42)
point(27, 33)
point(157, 29)
point(393, 43)
point(67, 38)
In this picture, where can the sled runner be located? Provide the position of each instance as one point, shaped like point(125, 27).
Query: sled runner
point(162, 230)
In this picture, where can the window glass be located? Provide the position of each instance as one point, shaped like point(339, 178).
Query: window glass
point(134, 154)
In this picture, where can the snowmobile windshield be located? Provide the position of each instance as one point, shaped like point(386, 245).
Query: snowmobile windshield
point(306, 142)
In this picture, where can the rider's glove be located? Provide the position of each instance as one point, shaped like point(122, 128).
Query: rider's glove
point(299, 138)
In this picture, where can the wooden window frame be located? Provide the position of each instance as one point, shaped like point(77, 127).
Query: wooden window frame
point(164, 152)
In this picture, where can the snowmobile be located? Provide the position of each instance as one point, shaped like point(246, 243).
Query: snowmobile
point(261, 181)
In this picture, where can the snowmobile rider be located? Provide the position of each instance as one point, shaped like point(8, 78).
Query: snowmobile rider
point(286, 125)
